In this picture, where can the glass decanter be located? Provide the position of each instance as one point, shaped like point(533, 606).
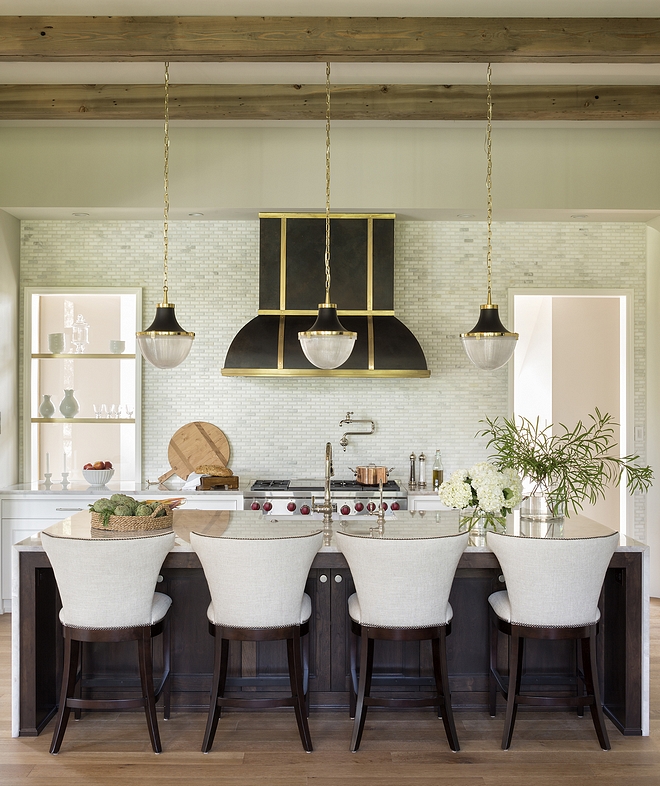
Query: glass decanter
point(79, 335)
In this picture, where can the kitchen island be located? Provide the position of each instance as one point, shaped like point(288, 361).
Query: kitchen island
point(623, 636)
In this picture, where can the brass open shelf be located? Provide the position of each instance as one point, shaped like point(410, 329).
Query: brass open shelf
point(109, 421)
point(83, 356)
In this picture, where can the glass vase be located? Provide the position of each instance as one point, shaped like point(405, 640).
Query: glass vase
point(538, 507)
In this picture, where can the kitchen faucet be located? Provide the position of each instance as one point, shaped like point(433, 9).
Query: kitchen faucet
point(348, 421)
point(327, 507)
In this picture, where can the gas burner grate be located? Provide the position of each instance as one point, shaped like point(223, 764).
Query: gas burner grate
point(270, 485)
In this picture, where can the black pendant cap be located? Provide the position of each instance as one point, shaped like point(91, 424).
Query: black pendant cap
point(489, 323)
point(165, 321)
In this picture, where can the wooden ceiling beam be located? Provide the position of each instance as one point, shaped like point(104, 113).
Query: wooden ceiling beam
point(345, 39)
point(349, 102)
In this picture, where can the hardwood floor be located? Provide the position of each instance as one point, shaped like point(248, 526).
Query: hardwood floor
point(398, 749)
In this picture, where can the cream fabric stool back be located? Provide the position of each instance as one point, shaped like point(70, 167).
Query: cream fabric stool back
point(402, 593)
point(257, 583)
point(257, 591)
point(107, 591)
point(553, 588)
point(109, 583)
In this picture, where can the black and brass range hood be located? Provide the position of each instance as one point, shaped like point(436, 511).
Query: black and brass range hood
point(291, 281)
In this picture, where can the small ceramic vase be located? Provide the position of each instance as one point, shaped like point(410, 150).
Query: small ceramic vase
point(69, 407)
point(47, 408)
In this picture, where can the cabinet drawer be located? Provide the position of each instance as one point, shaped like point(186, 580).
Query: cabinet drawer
point(233, 502)
point(47, 509)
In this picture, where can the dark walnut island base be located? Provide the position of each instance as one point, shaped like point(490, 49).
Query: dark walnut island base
point(262, 667)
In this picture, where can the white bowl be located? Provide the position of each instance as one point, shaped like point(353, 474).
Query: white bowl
point(97, 477)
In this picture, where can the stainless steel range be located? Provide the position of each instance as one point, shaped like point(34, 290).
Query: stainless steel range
point(288, 497)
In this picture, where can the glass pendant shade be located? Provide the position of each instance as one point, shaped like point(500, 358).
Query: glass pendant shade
point(327, 344)
point(165, 344)
point(489, 345)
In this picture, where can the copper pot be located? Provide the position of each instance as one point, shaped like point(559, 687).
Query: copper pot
point(371, 475)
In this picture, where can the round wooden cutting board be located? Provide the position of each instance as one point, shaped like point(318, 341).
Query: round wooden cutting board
point(194, 444)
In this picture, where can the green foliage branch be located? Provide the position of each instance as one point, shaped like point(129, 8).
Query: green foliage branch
point(568, 467)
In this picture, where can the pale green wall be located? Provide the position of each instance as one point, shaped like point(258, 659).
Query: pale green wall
point(9, 271)
point(375, 168)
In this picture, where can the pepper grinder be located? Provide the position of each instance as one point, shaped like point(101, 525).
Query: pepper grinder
point(412, 484)
point(421, 483)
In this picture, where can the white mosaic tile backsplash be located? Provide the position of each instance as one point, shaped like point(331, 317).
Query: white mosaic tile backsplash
point(278, 427)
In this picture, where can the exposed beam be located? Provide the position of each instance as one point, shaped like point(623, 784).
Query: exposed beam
point(349, 102)
point(358, 39)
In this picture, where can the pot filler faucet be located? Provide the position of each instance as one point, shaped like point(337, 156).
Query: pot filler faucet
point(348, 421)
point(327, 507)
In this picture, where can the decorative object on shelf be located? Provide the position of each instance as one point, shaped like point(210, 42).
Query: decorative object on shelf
point(566, 468)
point(46, 408)
point(485, 492)
point(117, 347)
point(165, 344)
point(69, 407)
point(79, 335)
point(438, 472)
point(421, 478)
point(47, 479)
point(56, 343)
point(489, 345)
point(327, 344)
point(65, 479)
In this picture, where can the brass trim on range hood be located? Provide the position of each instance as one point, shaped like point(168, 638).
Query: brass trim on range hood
point(291, 257)
point(353, 373)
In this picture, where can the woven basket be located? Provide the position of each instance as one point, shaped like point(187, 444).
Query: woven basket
point(134, 523)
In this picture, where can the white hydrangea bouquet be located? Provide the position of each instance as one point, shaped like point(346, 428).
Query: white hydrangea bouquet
point(489, 493)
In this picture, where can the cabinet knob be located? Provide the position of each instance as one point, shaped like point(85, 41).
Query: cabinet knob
point(338, 578)
point(323, 578)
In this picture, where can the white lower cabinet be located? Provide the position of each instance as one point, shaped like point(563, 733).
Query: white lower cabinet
point(425, 502)
point(24, 516)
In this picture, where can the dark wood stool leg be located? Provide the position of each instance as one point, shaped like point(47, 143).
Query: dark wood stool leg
point(221, 655)
point(593, 689)
point(296, 679)
point(492, 682)
point(442, 687)
point(305, 662)
point(147, 680)
point(71, 656)
point(167, 655)
point(353, 687)
point(77, 712)
point(515, 676)
point(579, 686)
point(364, 687)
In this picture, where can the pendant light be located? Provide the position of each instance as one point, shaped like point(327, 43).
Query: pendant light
point(489, 345)
point(165, 344)
point(327, 344)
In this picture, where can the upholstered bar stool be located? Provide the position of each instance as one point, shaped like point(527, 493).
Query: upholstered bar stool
point(107, 592)
point(402, 594)
point(552, 592)
point(257, 594)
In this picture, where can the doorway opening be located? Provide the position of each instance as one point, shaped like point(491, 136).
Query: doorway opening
point(575, 354)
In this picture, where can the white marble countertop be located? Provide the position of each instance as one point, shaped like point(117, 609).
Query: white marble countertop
point(399, 525)
point(81, 488)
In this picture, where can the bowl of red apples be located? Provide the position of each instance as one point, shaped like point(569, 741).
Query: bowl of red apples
point(98, 473)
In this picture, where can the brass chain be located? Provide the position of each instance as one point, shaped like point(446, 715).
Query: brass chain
point(166, 178)
point(327, 183)
point(489, 172)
